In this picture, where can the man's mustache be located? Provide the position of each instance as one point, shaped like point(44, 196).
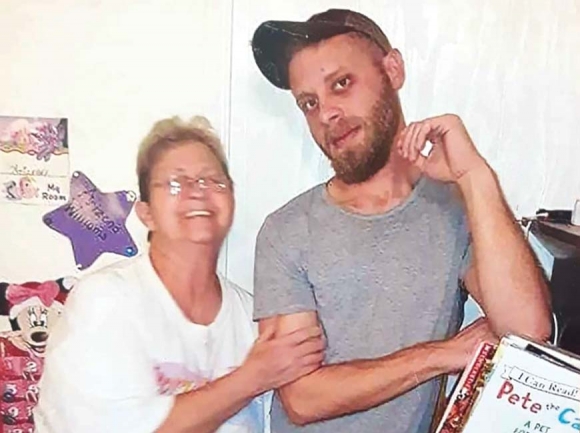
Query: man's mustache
point(340, 129)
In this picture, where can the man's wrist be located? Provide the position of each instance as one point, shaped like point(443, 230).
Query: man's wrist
point(478, 178)
point(439, 358)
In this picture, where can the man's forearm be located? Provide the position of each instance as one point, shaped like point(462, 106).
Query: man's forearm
point(512, 289)
point(206, 409)
point(340, 389)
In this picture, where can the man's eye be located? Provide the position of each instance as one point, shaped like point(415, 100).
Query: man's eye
point(308, 105)
point(342, 84)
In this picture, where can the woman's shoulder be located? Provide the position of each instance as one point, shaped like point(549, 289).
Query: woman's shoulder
point(237, 294)
point(235, 289)
point(108, 287)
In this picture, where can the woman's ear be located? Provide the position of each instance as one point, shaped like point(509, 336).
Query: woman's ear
point(394, 66)
point(143, 211)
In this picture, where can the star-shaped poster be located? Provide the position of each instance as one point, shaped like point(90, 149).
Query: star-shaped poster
point(94, 221)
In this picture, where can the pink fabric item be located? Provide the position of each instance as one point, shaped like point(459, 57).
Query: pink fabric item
point(19, 375)
point(46, 292)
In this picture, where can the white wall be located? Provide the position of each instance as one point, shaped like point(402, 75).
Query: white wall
point(113, 68)
point(509, 68)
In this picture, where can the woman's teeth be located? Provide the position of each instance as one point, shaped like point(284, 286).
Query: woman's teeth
point(196, 213)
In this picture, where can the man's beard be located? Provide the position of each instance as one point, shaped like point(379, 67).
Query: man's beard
point(358, 165)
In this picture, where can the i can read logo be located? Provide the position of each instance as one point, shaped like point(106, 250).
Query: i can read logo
point(567, 414)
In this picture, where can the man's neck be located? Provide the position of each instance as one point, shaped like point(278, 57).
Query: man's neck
point(388, 188)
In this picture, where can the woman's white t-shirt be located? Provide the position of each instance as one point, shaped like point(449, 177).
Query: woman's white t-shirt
point(123, 349)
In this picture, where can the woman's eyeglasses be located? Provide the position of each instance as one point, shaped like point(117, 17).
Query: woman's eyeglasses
point(176, 185)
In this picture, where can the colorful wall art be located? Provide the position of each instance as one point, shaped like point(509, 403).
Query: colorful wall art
point(34, 160)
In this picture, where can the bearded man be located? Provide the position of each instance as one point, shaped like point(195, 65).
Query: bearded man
point(383, 255)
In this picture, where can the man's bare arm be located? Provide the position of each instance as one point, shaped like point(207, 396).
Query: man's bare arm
point(339, 389)
point(504, 277)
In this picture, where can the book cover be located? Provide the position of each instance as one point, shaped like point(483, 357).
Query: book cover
point(466, 390)
point(531, 388)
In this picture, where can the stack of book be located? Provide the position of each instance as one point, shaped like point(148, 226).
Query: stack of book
point(518, 386)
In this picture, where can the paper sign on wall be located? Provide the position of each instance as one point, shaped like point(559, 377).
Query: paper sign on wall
point(34, 160)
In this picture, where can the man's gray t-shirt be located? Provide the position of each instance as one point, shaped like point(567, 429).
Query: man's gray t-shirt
point(379, 283)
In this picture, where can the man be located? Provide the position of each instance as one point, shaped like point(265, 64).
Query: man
point(377, 254)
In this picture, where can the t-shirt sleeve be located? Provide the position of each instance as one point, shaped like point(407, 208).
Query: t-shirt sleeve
point(97, 376)
point(464, 239)
point(281, 284)
point(466, 258)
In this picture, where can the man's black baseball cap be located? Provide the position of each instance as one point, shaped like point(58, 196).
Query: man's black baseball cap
point(272, 39)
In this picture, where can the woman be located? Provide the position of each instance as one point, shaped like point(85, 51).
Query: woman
point(162, 342)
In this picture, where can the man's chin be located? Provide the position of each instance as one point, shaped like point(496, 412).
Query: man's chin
point(351, 178)
point(350, 175)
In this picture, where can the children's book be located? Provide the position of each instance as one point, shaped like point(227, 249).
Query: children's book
point(520, 386)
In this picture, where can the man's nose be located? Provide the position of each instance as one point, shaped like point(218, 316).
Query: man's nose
point(330, 112)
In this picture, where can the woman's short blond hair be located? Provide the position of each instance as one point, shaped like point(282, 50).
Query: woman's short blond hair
point(166, 134)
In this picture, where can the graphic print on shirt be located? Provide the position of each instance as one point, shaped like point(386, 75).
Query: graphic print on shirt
point(175, 378)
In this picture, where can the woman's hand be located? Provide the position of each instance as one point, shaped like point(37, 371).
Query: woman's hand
point(275, 361)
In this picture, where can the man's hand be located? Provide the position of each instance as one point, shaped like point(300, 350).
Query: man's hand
point(453, 154)
point(460, 349)
point(275, 361)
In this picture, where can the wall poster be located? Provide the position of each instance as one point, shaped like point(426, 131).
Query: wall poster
point(34, 160)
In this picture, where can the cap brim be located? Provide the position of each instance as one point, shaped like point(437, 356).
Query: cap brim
point(272, 38)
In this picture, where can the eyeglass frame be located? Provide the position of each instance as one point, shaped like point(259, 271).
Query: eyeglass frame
point(175, 184)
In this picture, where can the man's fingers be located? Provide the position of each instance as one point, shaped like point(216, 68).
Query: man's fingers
point(419, 133)
point(414, 144)
point(409, 140)
point(480, 330)
point(404, 139)
point(401, 143)
point(422, 143)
